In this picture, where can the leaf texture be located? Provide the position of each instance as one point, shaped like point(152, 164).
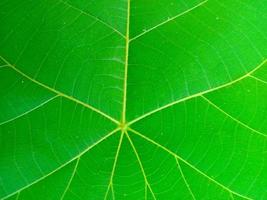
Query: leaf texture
point(131, 99)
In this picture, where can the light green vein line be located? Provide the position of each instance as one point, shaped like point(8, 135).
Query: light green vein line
point(198, 94)
point(17, 197)
point(66, 163)
point(184, 179)
point(145, 192)
point(71, 178)
point(29, 111)
point(187, 163)
point(168, 20)
point(92, 16)
point(126, 63)
point(231, 195)
point(258, 79)
point(2, 66)
point(141, 165)
point(112, 191)
point(231, 117)
point(114, 165)
point(60, 93)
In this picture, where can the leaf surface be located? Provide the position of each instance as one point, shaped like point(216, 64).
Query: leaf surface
point(133, 100)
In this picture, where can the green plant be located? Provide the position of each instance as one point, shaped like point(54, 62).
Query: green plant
point(133, 99)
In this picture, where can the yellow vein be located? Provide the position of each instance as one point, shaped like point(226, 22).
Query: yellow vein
point(29, 111)
point(60, 93)
point(198, 94)
point(92, 16)
point(60, 167)
point(114, 165)
point(169, 19)
point(184, 179)
point(258, 79)
point(231, 117)
point(141, 166)
point(126, 63)
point(71, 178)
point(187, 163)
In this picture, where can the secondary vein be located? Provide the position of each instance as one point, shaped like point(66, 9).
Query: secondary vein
point(169, 19)
point(187, 163)
point(65, 164)
point(199, 94)
point(59, 93)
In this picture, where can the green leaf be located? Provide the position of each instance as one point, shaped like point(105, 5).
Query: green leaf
point(131, 99)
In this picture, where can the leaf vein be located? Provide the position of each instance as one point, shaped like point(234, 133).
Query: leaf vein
point(141, 165)
point(258, 79)
point(60, 93)
point(71, 178)
point(110, 185)
point(231, 117)
point(184, 179)
point(198, 94)
point(29, 111)
point(187, 163)
point(169, 20)
point(126, 64)
point(66, 163)
point(92, 16)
